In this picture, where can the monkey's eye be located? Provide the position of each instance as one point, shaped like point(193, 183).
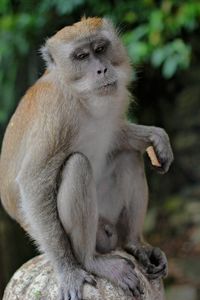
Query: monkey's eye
point(81, 56)
point(100, 49)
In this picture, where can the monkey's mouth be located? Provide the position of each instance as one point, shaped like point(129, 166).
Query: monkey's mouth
point(108, 87)
point(110, 84)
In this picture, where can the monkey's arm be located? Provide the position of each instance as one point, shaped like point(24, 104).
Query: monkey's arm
point(140, 137)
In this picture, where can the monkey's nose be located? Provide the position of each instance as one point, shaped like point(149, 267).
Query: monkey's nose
point(102, 71)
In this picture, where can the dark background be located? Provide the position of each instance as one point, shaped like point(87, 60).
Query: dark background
point(163, 40)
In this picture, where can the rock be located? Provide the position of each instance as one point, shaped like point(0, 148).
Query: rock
point(35, 280)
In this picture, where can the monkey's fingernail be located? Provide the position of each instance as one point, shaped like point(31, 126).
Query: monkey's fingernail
point(156, 252)
point(69, 296)
point(91, 281)
point(94, 282)
point(150, 268)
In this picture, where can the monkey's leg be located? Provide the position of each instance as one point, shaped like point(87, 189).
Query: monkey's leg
point(37, 184)
point(134, 191)
point(77, 208)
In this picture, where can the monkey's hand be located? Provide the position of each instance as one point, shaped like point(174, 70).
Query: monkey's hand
point(120, 271)
point(161, 145)
point(140, 137)
point(71, 284)
point(152, 259)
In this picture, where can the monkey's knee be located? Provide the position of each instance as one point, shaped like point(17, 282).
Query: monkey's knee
point(76, 179)
point(76, 193)
point(78, 168)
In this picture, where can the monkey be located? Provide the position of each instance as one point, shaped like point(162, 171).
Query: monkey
point(106, 237)
point(70, 160)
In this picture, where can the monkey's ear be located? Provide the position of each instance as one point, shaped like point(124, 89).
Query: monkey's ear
point(47, 56)
point(109, 26)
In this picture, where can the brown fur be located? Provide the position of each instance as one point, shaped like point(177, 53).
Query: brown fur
point(80, 29)
point(14, 139)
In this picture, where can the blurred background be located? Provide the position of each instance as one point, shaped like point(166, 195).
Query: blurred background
point(163, 40)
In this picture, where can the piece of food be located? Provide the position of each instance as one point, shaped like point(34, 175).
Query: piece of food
point(152, 155)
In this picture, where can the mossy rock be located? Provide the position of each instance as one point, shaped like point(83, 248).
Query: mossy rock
point(35, 280)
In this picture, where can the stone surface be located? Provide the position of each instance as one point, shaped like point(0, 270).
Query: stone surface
point(35, 280)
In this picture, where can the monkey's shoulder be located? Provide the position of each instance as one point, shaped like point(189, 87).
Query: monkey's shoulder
point(44, 88)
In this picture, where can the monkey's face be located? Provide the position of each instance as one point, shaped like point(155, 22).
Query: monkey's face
point(93, 64)
point(93, 67)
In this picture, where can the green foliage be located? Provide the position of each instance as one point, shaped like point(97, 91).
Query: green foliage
point(160, 36)
point(61, 7)
point(153, 33)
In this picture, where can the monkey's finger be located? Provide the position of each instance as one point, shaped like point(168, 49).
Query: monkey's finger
point(90, 279)
point(160, 274)
point(158, 257)
point(125, 288)
point(130, 263)
point(144, 259)
point(136, 293)
point(133, 293)
point(142, 255)
point(74, 295)
point(157, 253)
point(79, 294)
point(134, 285)
point(131, 282)
point(61, 294)
point(165, 162)
point(158, 271)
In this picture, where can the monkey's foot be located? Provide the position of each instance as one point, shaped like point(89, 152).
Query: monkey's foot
point(152, 259)
point(71, 284)
point(120, 271)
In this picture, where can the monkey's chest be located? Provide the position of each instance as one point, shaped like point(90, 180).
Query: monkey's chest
point(95, 144)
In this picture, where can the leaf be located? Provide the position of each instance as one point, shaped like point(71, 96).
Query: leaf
point(139, 32)
point(158, 57)
point(67, 6)
point(170, 66)
point(138, 51)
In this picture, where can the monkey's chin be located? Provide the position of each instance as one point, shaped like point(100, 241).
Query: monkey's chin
point(107, 89)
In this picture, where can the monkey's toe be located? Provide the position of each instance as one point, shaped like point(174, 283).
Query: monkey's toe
point(159, 266)
point(153, 260)
point(71, 287)
point(70, 294)
point(127, 278)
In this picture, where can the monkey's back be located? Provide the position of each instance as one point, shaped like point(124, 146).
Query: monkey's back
point(14, 150)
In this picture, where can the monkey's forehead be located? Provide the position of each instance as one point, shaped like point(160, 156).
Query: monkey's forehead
point(80, 29)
